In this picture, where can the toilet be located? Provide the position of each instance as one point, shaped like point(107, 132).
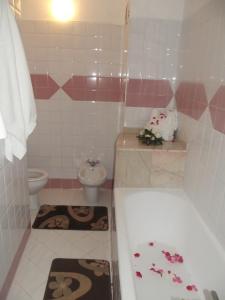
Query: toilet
point(37, 179)
point(92, 175)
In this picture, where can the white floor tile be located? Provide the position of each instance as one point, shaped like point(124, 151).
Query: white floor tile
point(18, 293)
point(29, 276)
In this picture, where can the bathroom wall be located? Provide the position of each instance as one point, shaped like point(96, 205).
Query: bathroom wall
point(201, 102)
point(76, 70)
point(14, 215)
point(154, 33)
point(14, 211)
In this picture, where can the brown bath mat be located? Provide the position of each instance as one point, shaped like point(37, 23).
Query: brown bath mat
point(72, 217)
point(82, 279)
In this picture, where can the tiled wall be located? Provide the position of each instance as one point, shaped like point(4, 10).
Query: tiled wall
point(77, 77)
point(201, 102)
point(152, 62)
point(14, 211)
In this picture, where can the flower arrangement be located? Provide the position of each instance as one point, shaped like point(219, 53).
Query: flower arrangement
point(148, 137)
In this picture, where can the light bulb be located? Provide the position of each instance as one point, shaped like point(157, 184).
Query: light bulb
point(63, 10)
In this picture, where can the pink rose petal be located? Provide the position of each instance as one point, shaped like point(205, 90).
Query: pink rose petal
point(177, 279)
point(194, 288)
point(137, 254)
point(159, 271)
point(138, 274)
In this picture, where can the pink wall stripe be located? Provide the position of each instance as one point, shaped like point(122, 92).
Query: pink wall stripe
point(9, 279)
point(60, 183)
point(44, 86)
point(91, 88)
point(217, 110)
point(191, 99)
point(148, 93)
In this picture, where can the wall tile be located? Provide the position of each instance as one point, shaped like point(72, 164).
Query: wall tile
point(191, 99)
point(44, 86)
point(93, 88)
point(86, 60)
point(148, 93)
point(202, 113)
point(153, 46)
point(217, 110)
point(13, 202)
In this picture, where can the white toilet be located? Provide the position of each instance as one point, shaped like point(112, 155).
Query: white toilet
point(92, 175)
point(37, 179)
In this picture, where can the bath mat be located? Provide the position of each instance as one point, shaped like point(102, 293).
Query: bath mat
point(72, 218)
point(82, 279)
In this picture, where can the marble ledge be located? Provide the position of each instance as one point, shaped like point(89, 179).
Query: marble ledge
point(128, 141)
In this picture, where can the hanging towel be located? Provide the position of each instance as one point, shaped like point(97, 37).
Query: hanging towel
point(17, 104)
point(2, 128)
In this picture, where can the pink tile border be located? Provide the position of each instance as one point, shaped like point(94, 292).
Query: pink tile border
point(191, 99)
point(60, 183)
point(44, 86)
point(148, 93)
point(9, 279)
point(94, 88)
point(217, 109)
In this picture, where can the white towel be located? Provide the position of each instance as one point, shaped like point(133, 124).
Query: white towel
point(16, 95)
point(2, 128)
point(163, 122)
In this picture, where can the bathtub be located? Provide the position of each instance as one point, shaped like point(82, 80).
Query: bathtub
point(157, 218)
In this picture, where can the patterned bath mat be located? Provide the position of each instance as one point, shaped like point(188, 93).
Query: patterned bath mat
point(82, 279)
point(72, 217)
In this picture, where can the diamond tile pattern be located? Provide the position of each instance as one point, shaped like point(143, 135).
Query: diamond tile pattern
point(88, 88)
point(44, 86)
point(217, 109)
point(191, 99)
point(149, 93)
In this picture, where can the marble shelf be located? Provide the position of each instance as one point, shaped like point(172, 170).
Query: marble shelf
point(139, 165)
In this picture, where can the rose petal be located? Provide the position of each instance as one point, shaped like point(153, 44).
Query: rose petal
point(194, 288)
point(138, 274)
point(137, 254)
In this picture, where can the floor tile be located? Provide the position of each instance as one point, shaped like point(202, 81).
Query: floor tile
point(18, 293)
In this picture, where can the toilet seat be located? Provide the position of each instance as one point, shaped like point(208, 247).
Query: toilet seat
point(36, 175)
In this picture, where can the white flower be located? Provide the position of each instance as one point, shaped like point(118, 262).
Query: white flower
point(142, 132)
point(147, 135)
point(158, 135)
point(148, 126)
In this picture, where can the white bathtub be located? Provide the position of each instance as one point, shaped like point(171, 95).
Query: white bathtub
point(167, 217)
